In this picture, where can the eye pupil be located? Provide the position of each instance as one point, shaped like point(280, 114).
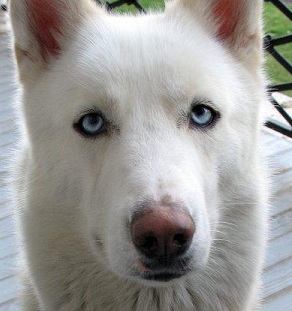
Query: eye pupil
point(92, 119)
point(200, 111)
point(202, 116)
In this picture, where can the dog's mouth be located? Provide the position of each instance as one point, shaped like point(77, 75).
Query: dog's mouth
point(159, 273)
point(162, 277)
point(161, 270)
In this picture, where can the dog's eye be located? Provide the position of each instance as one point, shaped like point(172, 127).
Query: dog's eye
point(91, 124)
point(202, 116)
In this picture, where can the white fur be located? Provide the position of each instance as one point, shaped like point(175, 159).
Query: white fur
point(141, 72)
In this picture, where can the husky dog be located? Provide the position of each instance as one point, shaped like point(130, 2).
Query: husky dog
point(139, 184)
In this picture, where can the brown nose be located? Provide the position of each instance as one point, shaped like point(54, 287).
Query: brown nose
point(162, 232)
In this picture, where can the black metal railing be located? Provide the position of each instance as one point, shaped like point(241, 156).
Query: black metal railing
point(270, 46)
point(112, 5)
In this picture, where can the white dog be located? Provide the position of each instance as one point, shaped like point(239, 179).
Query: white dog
point(139, 184)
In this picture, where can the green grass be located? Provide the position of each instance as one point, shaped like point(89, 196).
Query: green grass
point(146, 4)
point(276, 24)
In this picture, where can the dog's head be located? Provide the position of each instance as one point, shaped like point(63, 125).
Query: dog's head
point(139, 124)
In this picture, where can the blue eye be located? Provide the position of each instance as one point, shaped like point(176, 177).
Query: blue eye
point(202, 116)
point(91, 124)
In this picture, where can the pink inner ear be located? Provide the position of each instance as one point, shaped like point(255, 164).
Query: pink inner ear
point(228, 14)
point(45, 24)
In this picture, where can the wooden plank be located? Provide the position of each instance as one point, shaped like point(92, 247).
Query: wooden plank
point(282, 181)
point(7, 96)
point(3, 107)
point(11, 305)
point(4, 195)
point(281, 302)
point(5, 124)
point(6, 226)
point(277, 278)
point(8, 127)
point(273, 150)
point(281, 224)
point(283, 160)
point(5, 208)
point(268, 137)
point(8, 113)
point(6, 81)
point(8, 266)
point(8, 289)
point(279, 249)
point(8, 138)
point(282, 201)
point(8, 246)
point(8, 87)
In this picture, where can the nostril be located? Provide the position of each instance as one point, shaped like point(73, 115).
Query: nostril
point(149, 242)
point(180, 243)
point(180, 239)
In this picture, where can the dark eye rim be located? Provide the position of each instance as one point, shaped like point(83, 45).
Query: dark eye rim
point(78, 125)
point(215, 116)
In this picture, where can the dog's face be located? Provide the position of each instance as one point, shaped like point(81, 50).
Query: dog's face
point(138, 122)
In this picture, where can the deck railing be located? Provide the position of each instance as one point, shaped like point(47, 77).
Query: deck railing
point(112, 5)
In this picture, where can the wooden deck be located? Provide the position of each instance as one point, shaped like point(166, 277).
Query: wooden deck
point(278, 272)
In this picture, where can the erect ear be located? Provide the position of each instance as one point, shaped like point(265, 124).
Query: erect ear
point(42, 29)
point(236, 23)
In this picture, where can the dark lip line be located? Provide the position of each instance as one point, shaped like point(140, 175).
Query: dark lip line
point(160, 273)
point(163, 277)
point(179, 266)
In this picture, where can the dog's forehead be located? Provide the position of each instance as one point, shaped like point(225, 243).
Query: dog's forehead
point(149, 56)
